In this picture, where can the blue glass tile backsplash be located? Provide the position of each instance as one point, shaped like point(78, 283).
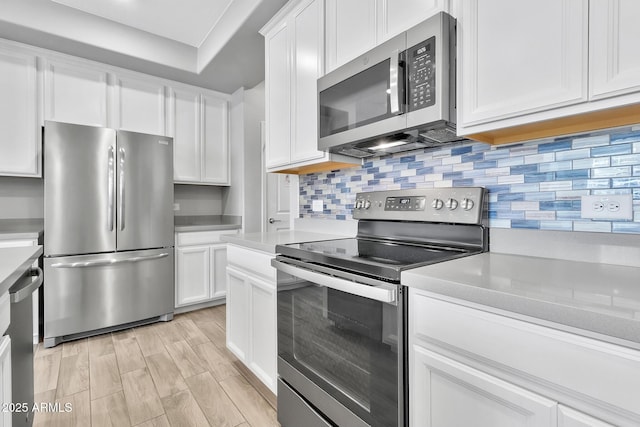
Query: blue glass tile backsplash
point(536, 185)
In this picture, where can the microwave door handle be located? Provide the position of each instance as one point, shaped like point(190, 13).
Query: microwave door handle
point(394, 89)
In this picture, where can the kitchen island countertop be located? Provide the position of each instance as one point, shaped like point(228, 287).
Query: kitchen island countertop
point(206, 223)
point(267, 242)
point(600, 300)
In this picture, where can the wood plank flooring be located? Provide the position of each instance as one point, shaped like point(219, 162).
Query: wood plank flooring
point(176, 373)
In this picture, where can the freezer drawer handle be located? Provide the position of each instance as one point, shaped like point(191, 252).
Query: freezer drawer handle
point(29, 286)
point(106, 262)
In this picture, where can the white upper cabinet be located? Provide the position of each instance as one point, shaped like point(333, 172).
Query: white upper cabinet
point(139, 105)
point(351, 30)
point(294, 48)
point(355, 26)
point(568, 417)
point(521, 57)
point(75, 94)
point(215, 140)
point(307, 24)
point(278, 96)
point(614, 38)
point(199, 124)
point(397, 16)
point(19, 126)
point(184, 111)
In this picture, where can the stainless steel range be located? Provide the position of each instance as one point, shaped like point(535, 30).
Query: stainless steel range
point(342, 313)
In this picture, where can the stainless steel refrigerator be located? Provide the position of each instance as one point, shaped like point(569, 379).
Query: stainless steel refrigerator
point(108, 221)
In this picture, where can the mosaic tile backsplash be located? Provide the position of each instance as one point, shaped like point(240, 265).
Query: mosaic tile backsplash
point(536, 184)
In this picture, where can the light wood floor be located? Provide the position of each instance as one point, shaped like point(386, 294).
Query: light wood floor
point(177, 373)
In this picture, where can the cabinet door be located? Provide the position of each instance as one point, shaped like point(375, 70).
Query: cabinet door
point(447, 393)
point(351, 30)
point(75, 94)
point(218, 263)
point(237, 313)
point(308, 46)
point(568, 417)
point(192, 284)
point(186, 135)
point(262, 331)
point(540, 65)
point(614, 37)
point(20, 152)
point(5, 379)
point(399, 15)
point(139, 105)
point(215, 140)
point(278, 97)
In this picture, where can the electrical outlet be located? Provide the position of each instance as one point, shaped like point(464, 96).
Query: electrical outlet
point(176, 206)
point(614, 206)
point(317, 206)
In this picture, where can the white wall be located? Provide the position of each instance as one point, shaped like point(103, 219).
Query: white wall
point(198, 199)
point(21, 197)
point(244, 196)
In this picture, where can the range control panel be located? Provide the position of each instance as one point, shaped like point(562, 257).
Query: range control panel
point(463, 205)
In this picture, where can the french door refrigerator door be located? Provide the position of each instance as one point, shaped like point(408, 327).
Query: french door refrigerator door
point(90, 292)
point(144, 191)
point(79, 189)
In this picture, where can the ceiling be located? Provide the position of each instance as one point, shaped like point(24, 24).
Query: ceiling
point(209, 43)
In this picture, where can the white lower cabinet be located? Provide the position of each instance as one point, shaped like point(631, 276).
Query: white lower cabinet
point(201, 259)
point(470, 367)
point(568, 417)
point(448, 393)
point(251, 312)
point(5, 379)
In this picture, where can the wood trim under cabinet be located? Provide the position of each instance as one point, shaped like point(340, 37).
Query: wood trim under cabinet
point(586, 122)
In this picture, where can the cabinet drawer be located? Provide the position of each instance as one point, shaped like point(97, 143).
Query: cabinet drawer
point(256, 262)
point(201, 237)
point(5, 312)
point(571, 364)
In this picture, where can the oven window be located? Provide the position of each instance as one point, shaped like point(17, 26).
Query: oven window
point(345, 344)
point(356, 101)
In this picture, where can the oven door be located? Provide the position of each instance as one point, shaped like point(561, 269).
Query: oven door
point(340, 349)
point(364, 98)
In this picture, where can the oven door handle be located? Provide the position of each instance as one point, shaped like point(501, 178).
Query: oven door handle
point(379, 293)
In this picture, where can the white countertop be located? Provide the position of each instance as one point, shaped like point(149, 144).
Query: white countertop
point(267, 242)
point(14, 262)
point(602, 299)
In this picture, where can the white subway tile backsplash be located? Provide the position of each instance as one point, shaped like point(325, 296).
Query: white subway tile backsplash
point(539, 158)
point(592, 141)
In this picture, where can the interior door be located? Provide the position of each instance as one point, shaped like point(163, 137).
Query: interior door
point(144, 191)
point(79, 189)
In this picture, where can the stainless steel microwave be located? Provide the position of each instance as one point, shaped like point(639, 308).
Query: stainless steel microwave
point(399, 96)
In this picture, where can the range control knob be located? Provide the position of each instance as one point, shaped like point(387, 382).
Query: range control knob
point(452, 204)
point(467, 204)
point(358, 204)
point(437, 204)
point(367, 204)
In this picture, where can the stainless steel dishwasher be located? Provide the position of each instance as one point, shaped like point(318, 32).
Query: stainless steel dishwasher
point(21, 333)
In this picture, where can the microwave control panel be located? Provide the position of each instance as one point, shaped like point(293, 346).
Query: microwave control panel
point(421, 63)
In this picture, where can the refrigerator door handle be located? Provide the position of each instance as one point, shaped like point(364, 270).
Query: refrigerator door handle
point(108, 261)
point(121, 189)
point(111, 190)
